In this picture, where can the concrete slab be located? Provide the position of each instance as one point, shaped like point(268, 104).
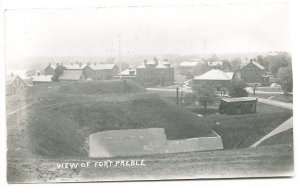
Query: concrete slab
point(133, 142)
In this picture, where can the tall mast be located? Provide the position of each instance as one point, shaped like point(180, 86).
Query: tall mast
point(119, 54)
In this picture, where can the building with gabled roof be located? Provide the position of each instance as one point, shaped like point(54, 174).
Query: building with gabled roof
point(154, 73)
point(13, 84)
point(128, 74)
point(72, 75)
point(41, 79)
point(103, 71)
point(253, 72)
point(215, 78)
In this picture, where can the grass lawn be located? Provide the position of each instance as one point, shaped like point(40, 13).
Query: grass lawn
point(240, 131)
point(285, 137)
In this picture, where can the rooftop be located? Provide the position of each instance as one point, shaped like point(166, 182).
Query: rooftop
point(99, 66)
point(71, 75)
point(189, 64)
point(239, 99)
point(75, 66)
point(9, 79)
point(42, 78)
point(215, 74)
point(258, 65)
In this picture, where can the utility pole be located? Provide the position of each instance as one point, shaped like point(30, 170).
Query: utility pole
point(177, 95)
point(181, 98)
point(119, 54)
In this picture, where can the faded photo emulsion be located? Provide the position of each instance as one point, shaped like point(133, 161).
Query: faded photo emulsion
point(149, 93)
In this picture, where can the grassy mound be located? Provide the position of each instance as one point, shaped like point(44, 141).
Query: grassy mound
point(60, 126)
point(102, 87)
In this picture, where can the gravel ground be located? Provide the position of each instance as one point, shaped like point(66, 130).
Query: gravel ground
point(250, 162)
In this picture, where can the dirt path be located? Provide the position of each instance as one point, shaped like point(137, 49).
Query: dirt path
point(21, 108)
point(276, 103)
point(250, 162)
point(257, 91)
point(283, 127)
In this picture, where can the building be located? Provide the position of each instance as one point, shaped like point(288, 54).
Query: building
point(13, 84)
point(240, 105)
point(72, 75)
point(77, 67)
point(215, 64)
point(189, 68)
point(154, 73)
point(253, 72)
point(41, 79)
point(103, 71)
point(128, 74)
point(215, 78)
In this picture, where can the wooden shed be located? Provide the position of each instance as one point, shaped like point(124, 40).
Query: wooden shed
point(239, 105)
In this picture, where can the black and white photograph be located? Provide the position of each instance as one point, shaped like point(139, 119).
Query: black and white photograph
point(154, 92)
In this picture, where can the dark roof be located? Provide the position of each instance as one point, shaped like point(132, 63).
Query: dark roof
point(239, 99)
point(71, 75)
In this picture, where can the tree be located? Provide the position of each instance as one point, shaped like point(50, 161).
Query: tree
point(274, 62)
point(58, 71)
point(236, 64)
point(237, 89)
point(206, 95)
point(226, 66)
point(285, 76)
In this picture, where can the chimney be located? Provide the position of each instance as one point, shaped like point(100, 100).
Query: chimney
point(131, 72)
point(38, 73)
point(95, 64)
point(251, 60)
point(155, 60)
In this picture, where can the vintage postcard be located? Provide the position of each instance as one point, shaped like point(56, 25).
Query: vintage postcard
point(160, 92)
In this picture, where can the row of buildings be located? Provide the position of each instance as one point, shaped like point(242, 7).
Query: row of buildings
point(150, 73)
point(251, 73)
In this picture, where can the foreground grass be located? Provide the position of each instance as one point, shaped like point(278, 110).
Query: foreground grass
point(240, 131)
point(285, 137)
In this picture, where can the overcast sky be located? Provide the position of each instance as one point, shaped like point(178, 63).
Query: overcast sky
point(146, 30)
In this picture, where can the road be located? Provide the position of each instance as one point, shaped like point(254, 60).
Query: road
point(276, 103)
point(257, 91)
point(184, 89)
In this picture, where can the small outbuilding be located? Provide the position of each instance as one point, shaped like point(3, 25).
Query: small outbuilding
point(14, 84)
point(239, 105)
point(41, 79)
